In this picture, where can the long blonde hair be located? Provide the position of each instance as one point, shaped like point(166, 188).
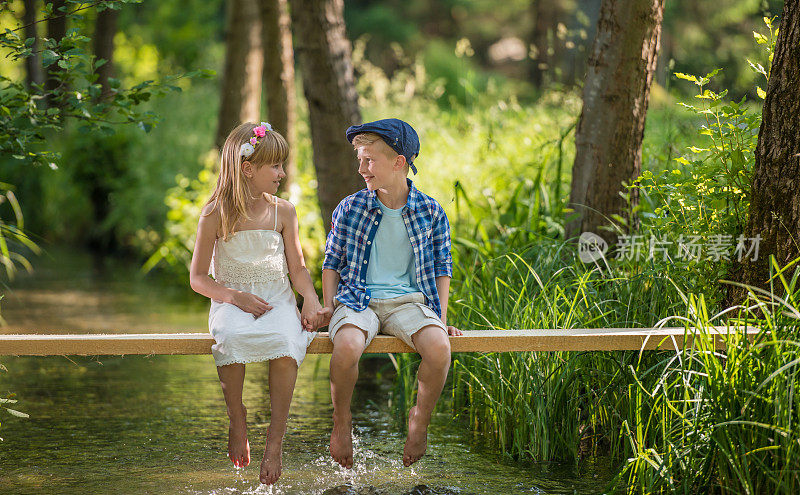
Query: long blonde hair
point(231, 194)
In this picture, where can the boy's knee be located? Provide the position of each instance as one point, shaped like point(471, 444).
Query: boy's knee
point(348, 345)
point(434, 346)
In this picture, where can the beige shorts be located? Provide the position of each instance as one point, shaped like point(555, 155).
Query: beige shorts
point(401, 317)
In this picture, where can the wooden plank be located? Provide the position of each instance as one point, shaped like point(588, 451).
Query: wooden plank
point(603, 339)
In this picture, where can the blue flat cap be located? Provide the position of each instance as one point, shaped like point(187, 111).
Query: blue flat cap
point(399, 135)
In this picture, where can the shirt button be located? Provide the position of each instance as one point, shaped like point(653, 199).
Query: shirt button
point(363, 280)
point(365, 262)
point(367, 297)
point(376, 222)
point(369, 242)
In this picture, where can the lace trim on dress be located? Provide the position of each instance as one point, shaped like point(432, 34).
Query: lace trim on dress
point(267, 270)
point(258, 359)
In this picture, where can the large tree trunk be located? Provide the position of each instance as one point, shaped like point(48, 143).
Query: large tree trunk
point(608, 138)
point(241, 83)
point(774, 213)
point(34, 73)
point(279, 76)
point(105, 29)
point(329, 87)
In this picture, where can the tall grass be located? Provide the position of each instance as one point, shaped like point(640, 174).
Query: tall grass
point(721, 421)
point(697, 420)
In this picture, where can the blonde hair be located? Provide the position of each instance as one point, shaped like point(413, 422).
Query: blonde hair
point(231, 194)
point(367, 138)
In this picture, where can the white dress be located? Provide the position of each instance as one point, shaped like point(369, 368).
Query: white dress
point(254, 261)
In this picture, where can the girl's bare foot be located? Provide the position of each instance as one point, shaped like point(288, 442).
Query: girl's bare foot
point(271, 463)
point(238, 446)
point(417, 439)
point(341, 447)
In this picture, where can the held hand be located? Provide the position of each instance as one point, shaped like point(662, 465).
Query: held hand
point(451, 330)
point(250, 303)
point(309, 317)
point(325, 315)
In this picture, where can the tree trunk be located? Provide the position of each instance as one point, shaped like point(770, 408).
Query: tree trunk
point(105, 29)
point(608, 138)
point(241, 82)
point(329, 87)
point(774, 212)
point(278, 77)
point(56, 30)
point(34, 73)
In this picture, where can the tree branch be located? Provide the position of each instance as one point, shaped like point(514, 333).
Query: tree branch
point(66, 14)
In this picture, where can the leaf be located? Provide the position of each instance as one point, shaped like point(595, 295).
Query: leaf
point(48, 57)
point(18, 414)
point(761, 93)
point(681, 75)
point(757, 67)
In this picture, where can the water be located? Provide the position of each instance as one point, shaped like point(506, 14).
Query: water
point(157, 424)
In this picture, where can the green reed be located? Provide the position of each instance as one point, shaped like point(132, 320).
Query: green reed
point(703, 420)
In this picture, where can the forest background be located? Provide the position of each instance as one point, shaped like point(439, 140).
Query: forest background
point(494, 90)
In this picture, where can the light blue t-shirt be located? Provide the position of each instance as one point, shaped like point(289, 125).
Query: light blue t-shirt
point(391, 272)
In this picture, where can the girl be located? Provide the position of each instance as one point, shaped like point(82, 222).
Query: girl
point(246, 229)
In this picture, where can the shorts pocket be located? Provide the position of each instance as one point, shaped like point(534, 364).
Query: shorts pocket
point(338, 316)
point(428, 312)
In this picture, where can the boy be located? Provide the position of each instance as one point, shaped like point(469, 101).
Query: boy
point(388, 263)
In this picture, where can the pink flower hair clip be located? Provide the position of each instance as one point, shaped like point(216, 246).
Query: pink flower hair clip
point(249, 147)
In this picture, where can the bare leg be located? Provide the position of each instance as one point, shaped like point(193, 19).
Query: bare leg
point(348, 344)
point(434, 348)
point(282, 377)
point(231, 377)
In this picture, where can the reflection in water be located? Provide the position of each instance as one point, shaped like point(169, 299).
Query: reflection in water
point(73, 292)
point(135, 424)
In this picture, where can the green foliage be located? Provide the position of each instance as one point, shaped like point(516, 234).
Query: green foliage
point(185, 200)
point(706, 193)
point(183, 31)
point(716, 34)
point(29, 114)
point(14, 242)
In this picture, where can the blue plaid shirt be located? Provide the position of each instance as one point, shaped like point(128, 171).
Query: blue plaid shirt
point(355, 221)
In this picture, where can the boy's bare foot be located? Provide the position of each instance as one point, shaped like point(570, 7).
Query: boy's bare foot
point(341, 447)
point(238, 446)
point(271, 463)
point(417, 439)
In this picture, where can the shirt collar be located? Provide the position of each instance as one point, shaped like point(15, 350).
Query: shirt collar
point(412, 202)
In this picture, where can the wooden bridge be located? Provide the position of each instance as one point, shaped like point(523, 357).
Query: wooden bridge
point(583, 339)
